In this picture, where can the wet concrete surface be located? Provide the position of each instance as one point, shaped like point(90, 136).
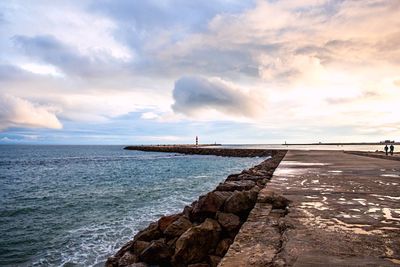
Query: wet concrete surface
point(345, 209)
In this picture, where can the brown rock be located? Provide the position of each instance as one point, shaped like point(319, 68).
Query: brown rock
point(150, 233)
point(194, 245)
point(228, 221)
point(157, 253)
point(239, 202)
point(124, 249)
point(127, 259)
point(187, 210)
point(276, 200)
point(236, 185)
point(111, 262)
point(214, 260)
point(139, 246)
point(209, 204)
point(164, 221)
point(223, 247)
point(178, 227)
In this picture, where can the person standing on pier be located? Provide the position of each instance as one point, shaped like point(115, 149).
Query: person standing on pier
point(391, 149)
point(386, 149)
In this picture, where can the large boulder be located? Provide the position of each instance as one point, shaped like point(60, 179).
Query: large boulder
point(276, 200)
point(139, 246)
point(209, 204)
point(240, 202)
point(236, 185)
point(194, 245)
point(157, 253)
point(178, 227)
point(150, 233)
point(223, 247)
point(165, 221)
point(229, 221)
point(127, 259)
point(214, 260)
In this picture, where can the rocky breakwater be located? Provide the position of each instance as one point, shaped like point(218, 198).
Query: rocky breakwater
point(201, 234)
point(193, 150)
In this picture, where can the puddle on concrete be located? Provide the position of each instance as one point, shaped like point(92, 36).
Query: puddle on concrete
point(335, 171)
point(335, 224)
point(372, 210)
point(313, 205)
point(381, 197)
point(390, 175)
point(388, 214)
point(362, 201)
point(298, 163)
point(358, 210)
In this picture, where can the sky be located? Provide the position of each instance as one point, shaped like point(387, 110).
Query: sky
point(229, 71)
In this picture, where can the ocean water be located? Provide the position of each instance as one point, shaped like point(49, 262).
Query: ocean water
point(76, 205)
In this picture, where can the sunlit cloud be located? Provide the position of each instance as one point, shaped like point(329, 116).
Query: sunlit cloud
point(290, 68)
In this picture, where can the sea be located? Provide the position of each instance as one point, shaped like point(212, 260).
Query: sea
point(76, 205)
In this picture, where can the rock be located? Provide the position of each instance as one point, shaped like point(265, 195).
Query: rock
point(199, 265)
point(138, 264)
point(228, 221)
point(209, 204)
point(194, 245)
point(157, 253)
point(139, 246)
point(214, 260)
point(239, 202)
point(187, 211)
point(127, 259)
point(236, 185)
point(223, 247)
point(111, 262)
point(276, 200)
point(164, 221)
point(178, 227)
point(150, 233)
point(124, 249)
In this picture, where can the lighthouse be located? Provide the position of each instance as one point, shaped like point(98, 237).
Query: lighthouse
point(197, 140)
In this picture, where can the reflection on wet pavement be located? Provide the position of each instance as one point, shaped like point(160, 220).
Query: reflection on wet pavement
point(350, 196)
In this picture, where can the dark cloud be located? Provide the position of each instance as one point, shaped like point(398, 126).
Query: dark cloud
point(12, 73)
point(50, 50)
point(192, 93)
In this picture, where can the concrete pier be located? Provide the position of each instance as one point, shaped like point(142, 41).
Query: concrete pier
point(344, 211)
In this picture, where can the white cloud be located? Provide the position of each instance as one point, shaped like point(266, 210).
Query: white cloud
point(17, 112)
point(149, 116)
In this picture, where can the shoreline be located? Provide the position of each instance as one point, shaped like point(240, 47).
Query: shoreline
point(202, 233)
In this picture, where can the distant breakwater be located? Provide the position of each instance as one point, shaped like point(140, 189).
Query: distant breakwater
point(193, 150)
point(202, 233)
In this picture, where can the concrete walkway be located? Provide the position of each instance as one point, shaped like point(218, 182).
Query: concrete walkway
point(345, 209)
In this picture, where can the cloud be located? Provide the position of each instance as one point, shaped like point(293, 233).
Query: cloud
point(193, 94)
point(17, 112)
point(48, 49)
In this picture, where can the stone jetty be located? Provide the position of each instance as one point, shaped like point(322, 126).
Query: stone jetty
point(202, 233)
point(201, 150)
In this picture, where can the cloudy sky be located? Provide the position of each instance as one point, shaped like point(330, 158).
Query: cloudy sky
point(230, 71)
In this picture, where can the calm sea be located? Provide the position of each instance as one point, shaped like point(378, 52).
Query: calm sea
point(75, 205)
